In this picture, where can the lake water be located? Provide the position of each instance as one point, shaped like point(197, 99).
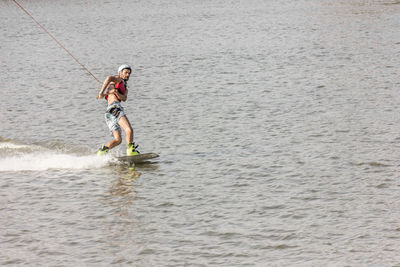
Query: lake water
point(277, 125)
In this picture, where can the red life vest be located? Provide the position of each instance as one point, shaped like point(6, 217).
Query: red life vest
point(121, 88)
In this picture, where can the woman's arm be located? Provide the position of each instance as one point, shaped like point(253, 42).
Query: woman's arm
point(121, 97)
point(106, 83)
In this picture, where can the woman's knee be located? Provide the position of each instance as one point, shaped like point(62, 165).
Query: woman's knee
point(117, 139)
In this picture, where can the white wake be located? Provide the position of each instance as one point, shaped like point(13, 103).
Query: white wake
point(17, 157)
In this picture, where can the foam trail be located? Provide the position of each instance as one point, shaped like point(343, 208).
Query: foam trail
point(49, 160)
point(20, 157)
point(12, 146)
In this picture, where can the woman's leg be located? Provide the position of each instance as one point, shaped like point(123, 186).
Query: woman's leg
point(124, 123)
point(116, 141)
point(131, 148)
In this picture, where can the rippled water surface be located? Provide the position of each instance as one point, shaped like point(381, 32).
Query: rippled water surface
point(277, 125)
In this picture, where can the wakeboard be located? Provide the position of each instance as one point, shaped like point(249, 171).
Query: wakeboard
point(138, 158)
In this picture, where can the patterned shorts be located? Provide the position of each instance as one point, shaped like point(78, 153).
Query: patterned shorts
point(114, 112)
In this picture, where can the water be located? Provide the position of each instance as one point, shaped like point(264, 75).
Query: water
point(277, 125)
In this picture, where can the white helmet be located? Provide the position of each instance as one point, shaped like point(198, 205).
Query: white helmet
point(122, 67)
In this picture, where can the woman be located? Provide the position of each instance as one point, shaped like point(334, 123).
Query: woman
point(115, 90)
